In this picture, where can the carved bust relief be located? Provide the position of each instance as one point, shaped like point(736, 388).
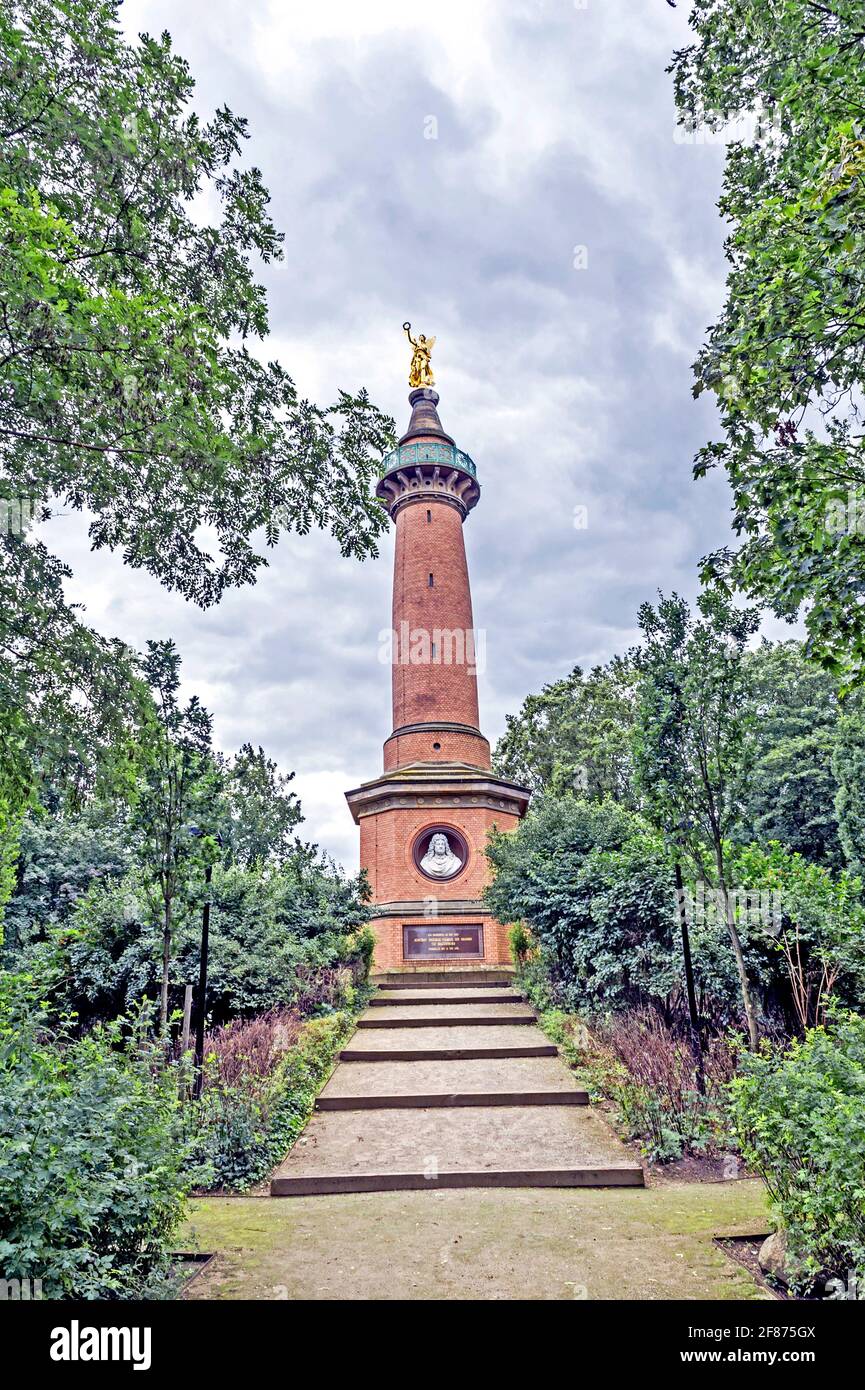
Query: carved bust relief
point(440, 853)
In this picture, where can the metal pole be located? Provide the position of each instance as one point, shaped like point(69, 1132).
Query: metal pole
point(202, 985)
point(689, 981)
point(187, 1020)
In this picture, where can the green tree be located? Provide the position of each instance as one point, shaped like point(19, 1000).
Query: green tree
point(61, 857)
point(785, 355)
point(72, 704)
point(273, 930)
point(128, 383)
point(816, 926)
point(574, 735)
point(692, 739)
point(178, 785)
point(849, 770)
point(791, 791)
point(594, 884)
point(262, 812)
point(14, 790)
point(92, 1181)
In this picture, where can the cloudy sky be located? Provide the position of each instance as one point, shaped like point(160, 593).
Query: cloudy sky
point(560, 241)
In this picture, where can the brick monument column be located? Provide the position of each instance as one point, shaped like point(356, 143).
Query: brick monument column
point(424, 822)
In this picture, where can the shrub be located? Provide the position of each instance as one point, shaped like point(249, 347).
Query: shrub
point(325, 989)
point(108, 954)
point(541, 983)
point(799, 1117)
point(91, 1173)
point(574, 1042)
point(520, 943)
point(820, 942)
point(362, 945)
point(650, 1072)
point(261, 1081)
point(595, 889)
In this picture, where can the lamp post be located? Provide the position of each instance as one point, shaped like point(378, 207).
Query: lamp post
point(198, 1083)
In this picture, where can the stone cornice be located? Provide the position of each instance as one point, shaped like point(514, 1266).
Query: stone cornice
point(453, 907)
point(436, 787)
point(441, 726)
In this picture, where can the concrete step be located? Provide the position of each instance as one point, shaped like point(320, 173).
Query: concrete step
point(434, 999)
point(505, 1076)
point(388, 1149)
point(318, 1185)
point(460, 1020)
point(447, 1100)
point(463, 1053)
point(440, 1014)
point(451, 979)
point(440, 1043)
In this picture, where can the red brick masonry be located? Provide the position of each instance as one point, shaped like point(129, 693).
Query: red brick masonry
point(434, 690)
point(436, 761)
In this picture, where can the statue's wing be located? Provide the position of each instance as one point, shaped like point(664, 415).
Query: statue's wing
point(430, 342)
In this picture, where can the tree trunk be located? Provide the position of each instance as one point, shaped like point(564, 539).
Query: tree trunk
point(730, 916)
point(693, 1015)
point(166, 963)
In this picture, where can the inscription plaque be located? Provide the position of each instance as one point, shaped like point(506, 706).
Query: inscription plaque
point(435, 942)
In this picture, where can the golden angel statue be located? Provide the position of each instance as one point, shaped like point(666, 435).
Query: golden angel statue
point(420, 372)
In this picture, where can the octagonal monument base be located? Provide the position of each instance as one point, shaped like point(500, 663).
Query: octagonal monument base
point(422, 924)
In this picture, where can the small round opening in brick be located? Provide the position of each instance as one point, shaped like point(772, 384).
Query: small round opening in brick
point(440, 852)
point(437, 747)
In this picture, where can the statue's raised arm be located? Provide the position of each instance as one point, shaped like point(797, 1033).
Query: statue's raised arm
point(420, 372)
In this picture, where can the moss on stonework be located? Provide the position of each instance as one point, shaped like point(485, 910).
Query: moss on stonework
point(599, 1243)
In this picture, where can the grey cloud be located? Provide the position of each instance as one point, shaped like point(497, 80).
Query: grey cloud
point(567, 387)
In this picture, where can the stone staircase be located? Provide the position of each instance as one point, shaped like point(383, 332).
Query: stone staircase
point(448, 1082)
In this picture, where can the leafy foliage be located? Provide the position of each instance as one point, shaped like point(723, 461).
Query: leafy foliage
point(520, 944)
point(92, 1178)
point(260, 1088)
point(819, 934)
point(596, 889)
point(691, 737)
point(785, 357)
point(799, 1117)
point(271, 930)
point(14, 790)
point(71, 702)
point(178, 783)
point(790, 792)
point(272, 933)
point(574, 736)
point(849, 769)
point(123, 312)
point(261, 812)
point(127, 384)
point(61, 857)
